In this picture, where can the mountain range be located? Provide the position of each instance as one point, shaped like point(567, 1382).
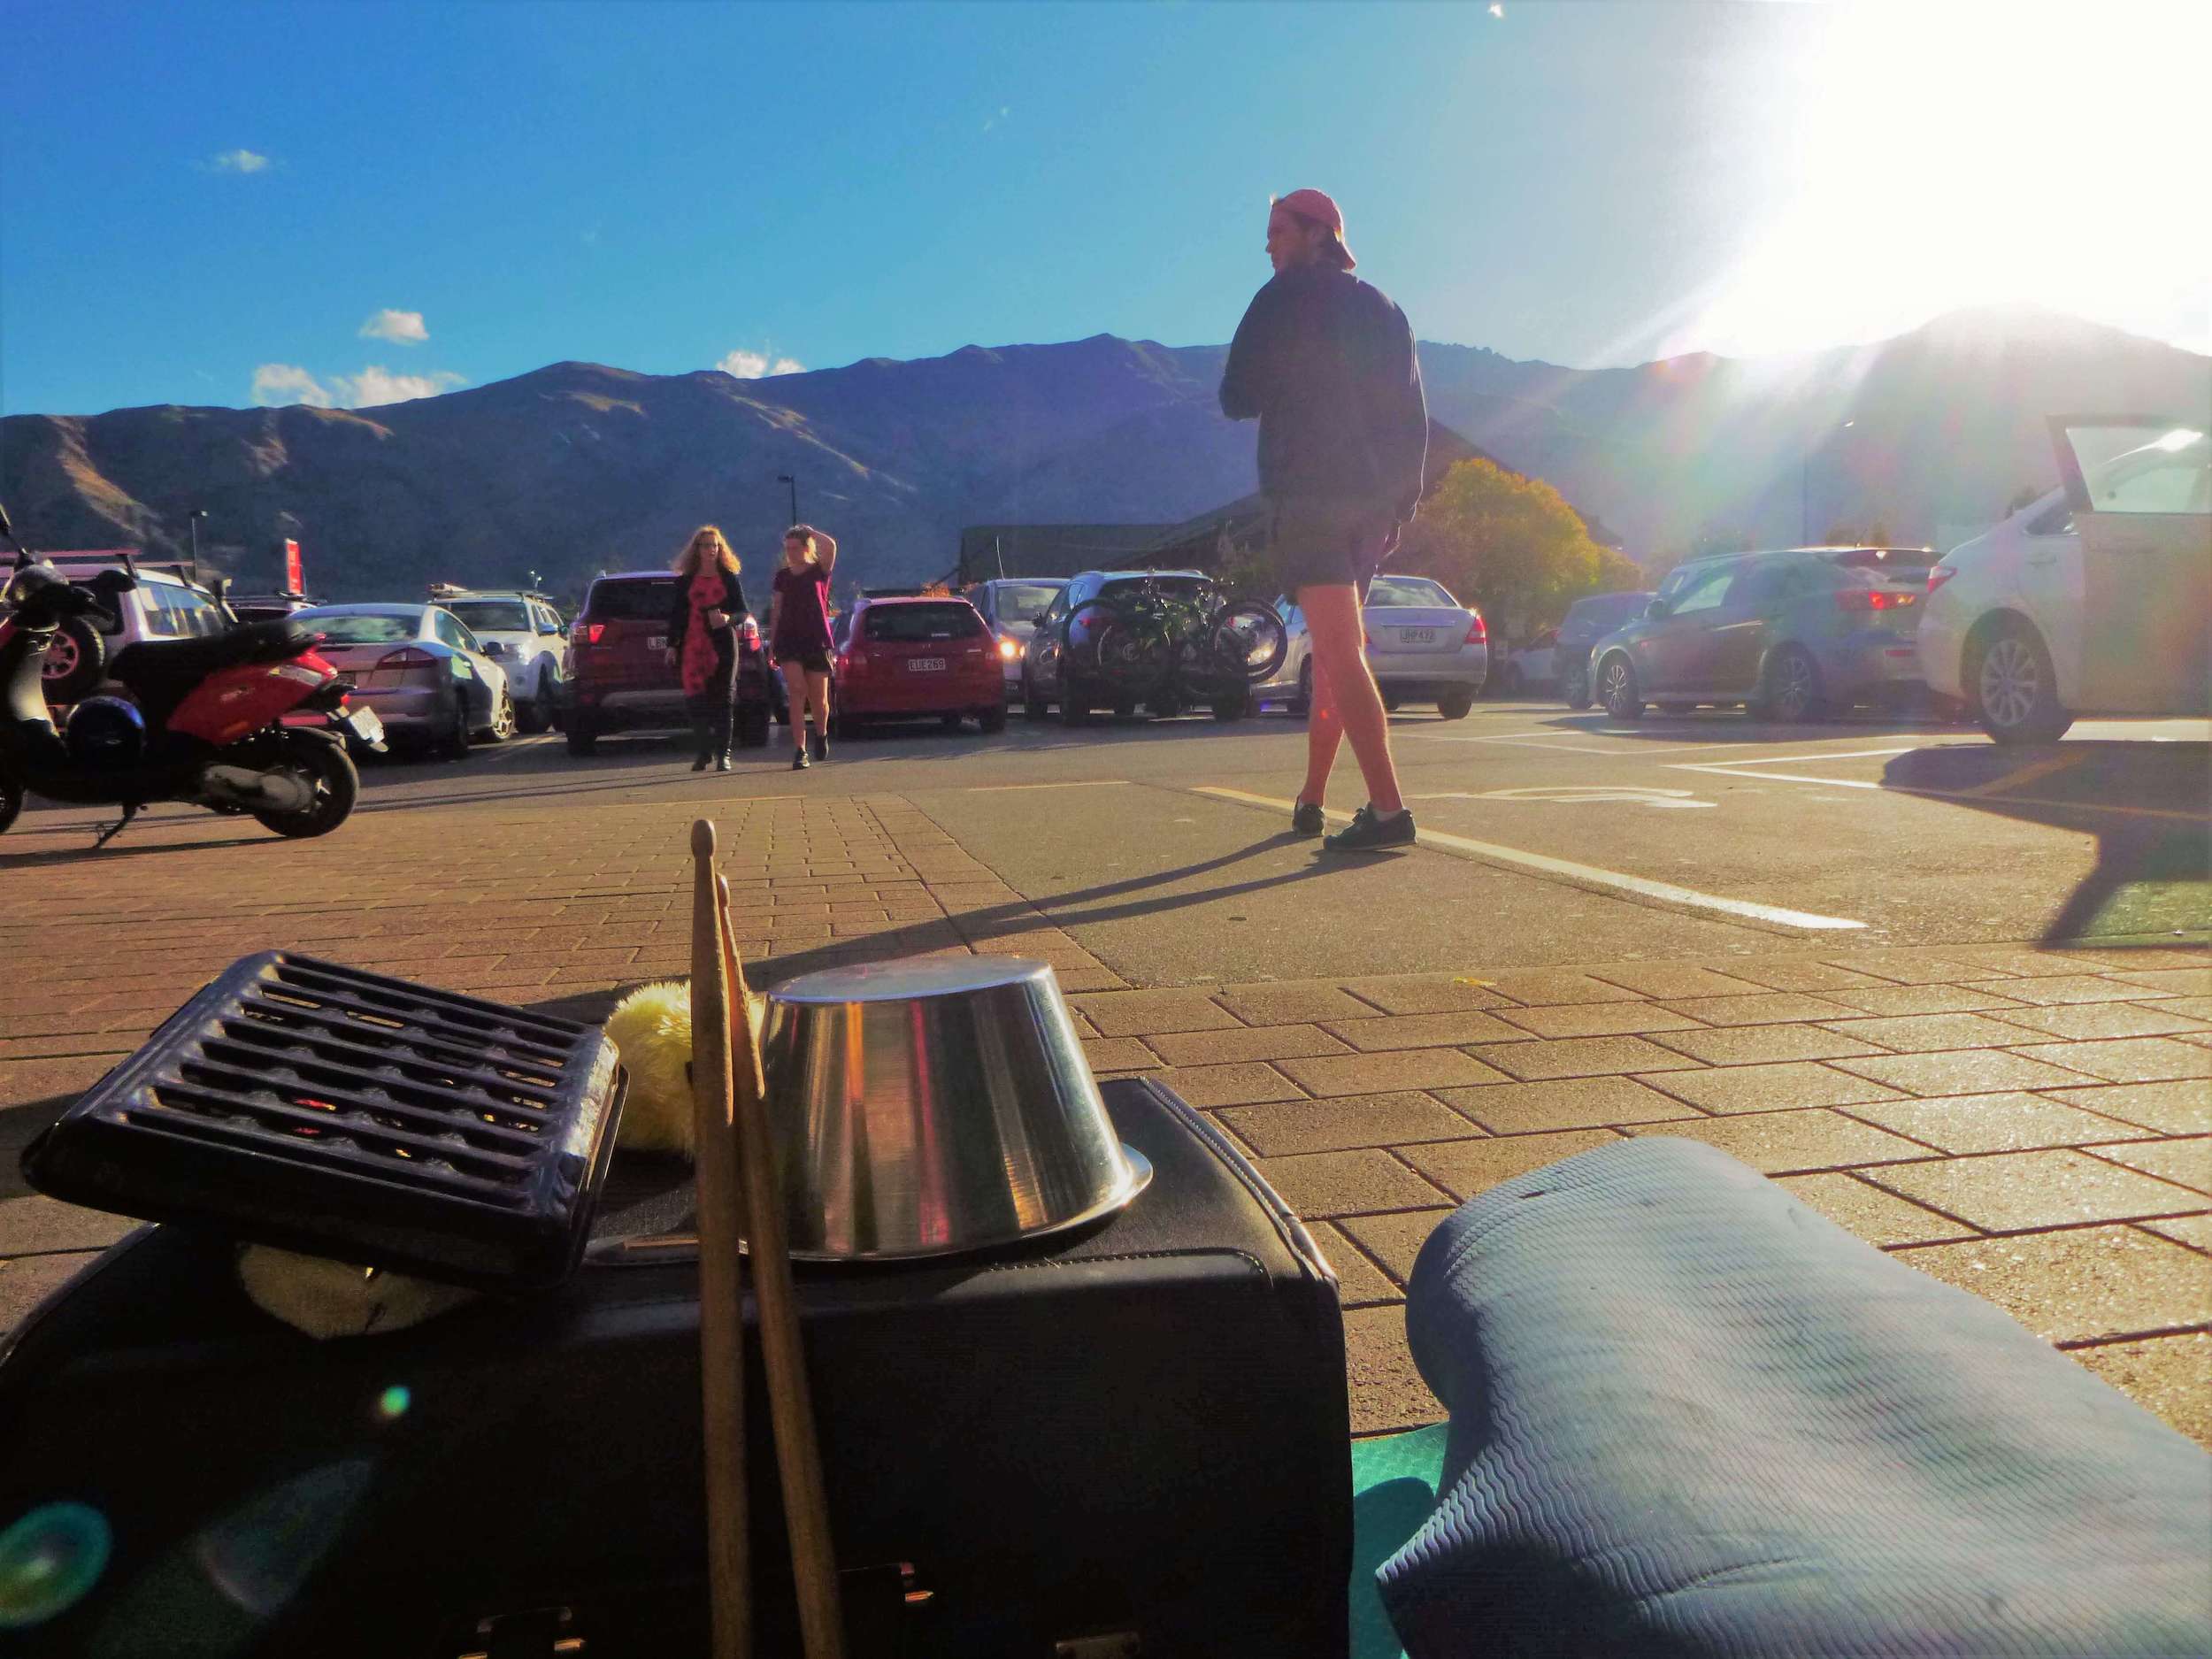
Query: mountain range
point(576, 466)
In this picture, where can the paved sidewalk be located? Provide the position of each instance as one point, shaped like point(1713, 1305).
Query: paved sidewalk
point(2033, 1124)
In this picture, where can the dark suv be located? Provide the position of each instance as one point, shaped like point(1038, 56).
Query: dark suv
point(621, 676)
point(1791, 635)
point(1588, 621)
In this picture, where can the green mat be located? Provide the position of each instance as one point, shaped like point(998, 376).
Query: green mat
point(1393, 1487)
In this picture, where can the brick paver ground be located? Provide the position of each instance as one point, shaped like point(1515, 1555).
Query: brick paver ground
point(2035, 1125)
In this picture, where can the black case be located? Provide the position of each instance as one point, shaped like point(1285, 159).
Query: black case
point(1133, 1440)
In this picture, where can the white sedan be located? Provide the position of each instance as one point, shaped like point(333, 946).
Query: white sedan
point(2094, 599)
point(1422, 643)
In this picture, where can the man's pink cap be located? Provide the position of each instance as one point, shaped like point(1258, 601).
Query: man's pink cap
point(1322, 209)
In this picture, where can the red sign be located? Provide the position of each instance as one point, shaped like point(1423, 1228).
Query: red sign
point(293, 581)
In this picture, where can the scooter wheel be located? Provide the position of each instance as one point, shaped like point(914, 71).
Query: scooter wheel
point(329, 772)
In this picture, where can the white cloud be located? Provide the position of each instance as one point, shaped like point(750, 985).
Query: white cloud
point(239, 161)
point(375, 386)
point(757, 366)
point(279, 383)
point(276, 384)
point(401, 327)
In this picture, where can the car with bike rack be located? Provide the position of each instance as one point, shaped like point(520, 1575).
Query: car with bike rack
point(1167, 641)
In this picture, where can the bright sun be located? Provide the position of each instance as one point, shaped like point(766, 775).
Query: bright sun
point(1955, 154)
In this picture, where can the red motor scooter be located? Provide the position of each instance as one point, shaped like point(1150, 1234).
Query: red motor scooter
point(203, 722)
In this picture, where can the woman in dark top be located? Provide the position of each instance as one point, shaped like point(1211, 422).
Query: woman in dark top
point(799, 634)
point(702, 640)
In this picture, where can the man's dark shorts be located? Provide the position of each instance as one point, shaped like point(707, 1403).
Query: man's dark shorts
point(1317, 542)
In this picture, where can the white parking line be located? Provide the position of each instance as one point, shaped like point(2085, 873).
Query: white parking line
point(1086, 783)
point(1728, 769)
point(1665, 892)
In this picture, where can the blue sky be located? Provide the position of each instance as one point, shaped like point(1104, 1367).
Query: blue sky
point(197, 199)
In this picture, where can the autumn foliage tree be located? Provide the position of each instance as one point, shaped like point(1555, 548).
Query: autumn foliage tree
point(1509, 545)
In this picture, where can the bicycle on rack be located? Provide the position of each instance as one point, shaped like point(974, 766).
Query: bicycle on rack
point(1172, 646)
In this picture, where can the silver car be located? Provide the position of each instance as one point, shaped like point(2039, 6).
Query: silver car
point(1423, 645)
point(419, 668)
point(1010, 607)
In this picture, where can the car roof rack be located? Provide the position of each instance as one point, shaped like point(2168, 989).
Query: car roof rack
point(106, 558)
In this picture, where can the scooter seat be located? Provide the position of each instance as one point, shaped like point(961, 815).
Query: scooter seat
point(162, 670)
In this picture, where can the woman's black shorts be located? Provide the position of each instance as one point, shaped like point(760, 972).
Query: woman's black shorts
point(813, 662)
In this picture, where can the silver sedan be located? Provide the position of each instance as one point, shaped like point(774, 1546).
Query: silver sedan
point(1422, 643)
point(419, 668)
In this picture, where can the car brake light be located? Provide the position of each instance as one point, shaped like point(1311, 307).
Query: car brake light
point(852, 661)
point(1478, 631)
point(594, 632)
point(406, 658)
point(750, 634)
point(1938, 574)
point(1873, 599)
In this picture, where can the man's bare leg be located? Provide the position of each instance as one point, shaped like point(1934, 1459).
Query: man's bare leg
point(1339, 660)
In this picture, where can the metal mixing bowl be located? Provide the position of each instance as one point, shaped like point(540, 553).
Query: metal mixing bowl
point(936, 1106)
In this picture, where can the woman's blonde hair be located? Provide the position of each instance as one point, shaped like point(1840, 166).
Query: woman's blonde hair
point(687, 565)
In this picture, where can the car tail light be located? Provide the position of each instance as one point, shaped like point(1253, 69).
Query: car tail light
point(406, 658)
point(1874, 599)
point(750, 633)
point(1938, 574)
point(1478, 630)
point(594, 632)
point(852, 661)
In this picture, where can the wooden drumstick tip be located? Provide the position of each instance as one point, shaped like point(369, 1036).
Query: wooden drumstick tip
point(702, 838)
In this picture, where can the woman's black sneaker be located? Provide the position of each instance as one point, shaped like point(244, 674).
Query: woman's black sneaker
point(1306, 819)
point(799, 761)
point(820, 744)
point(1367, 832)
point(699, 763)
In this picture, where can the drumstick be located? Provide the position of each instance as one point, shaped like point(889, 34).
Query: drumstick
point(721, 1304)
point(798, 1453)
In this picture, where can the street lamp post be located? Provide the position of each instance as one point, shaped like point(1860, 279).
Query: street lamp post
point(1805, 492)
point(792, 482)
point(193, 519)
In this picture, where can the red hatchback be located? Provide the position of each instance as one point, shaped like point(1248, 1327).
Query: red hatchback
point(905, 658)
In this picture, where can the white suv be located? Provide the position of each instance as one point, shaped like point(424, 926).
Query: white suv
point(167, 604)
point(2094, 599)
point(522, 632)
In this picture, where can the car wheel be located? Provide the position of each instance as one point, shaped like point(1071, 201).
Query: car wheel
point(991, 721)
point(1455, 705)
point(950, 722)
point(1618, 691)
point(330, 776)
point(503, 725)
point(537, 714)
point(1574, 687)
point(454, 745)
point(1033, 707)
point(752, 725)
point(11, 802)
point(1075, 702)
point(1789, 689)
point(2013, 687)
point(75, 660)
point(1514, 683)
point(1125, 709)
point(1234, 706)
point(1301, 705)
point(1391, 700)
point(583, 737)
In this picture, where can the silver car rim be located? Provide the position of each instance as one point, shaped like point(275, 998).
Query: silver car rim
point(1794, 696)
point(504, 717)
point(2012, 682)
point(1616, 682)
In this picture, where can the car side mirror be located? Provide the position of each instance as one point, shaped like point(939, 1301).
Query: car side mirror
point(1656, 608)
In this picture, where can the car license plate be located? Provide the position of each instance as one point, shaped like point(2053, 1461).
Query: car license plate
point(1417, 636)
point(658, 642)
point(365, 724)
point(926, 664)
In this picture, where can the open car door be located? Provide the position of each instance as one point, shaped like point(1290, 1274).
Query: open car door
point(2141, 490)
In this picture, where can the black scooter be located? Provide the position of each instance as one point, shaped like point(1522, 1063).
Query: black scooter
point(205, 719)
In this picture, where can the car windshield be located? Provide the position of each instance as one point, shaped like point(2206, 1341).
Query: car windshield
point(1903, 564)
point(492, 616)
point(632, 602)
point(1408, 590)
point(357, 628)
point(923, 622)
point(1025, 602)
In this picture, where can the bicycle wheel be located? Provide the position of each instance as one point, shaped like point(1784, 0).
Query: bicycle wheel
point(1248, 639)
point(1132, 658)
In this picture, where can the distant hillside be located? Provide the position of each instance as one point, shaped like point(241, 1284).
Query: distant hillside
point(578, 467)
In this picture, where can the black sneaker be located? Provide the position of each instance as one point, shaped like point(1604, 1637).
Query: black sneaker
point(820, 744)
point(1367, 832)
point(1306, 819)
point(799, 761)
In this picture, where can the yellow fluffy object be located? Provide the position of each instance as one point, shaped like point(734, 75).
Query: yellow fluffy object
point(326, 1299)
point(651, 1029)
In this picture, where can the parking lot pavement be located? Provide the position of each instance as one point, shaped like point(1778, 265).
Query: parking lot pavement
point(2030, 1118)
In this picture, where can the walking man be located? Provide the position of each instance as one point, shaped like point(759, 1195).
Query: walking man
point(1327, 363)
